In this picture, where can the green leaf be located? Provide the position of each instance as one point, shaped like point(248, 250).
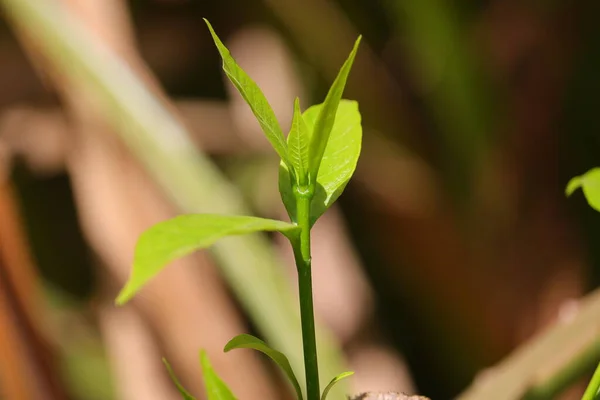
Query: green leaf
point(182, 235)
point(216, 389)
point(574, 184)
point(185, 395)
point(287, 191)
point(334, 381)
point(590, 183)
point(245, 341)
point(327, 114)
point(340, 157)
point(298, 142)
point(254, 97)
point(338, 164)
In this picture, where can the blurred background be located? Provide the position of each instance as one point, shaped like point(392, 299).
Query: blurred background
point(453, 244)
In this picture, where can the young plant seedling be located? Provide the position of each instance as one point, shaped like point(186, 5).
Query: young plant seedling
point(318, 159)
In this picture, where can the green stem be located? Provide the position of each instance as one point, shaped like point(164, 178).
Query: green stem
point(303, 264)
point(591, 393)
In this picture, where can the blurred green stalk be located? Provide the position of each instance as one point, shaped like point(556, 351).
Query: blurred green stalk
point(452, 84)
point(549, 363)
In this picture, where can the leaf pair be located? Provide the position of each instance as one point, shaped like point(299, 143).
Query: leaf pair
point(310, 134)
point(337, 164)
point(217, 390)
point(324, 142)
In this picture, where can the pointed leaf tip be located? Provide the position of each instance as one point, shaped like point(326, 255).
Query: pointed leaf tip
point(124, 296)
point(573, 185)
point(253, 96)
point(335, 380)
point(327, 115)
point(216, 389)
point(245, 341)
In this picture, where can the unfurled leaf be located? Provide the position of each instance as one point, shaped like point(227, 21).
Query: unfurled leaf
point(327, 114)
point(216, 389)
point(340, 156)
point(246, 341)
point(338, 164)
point(334, 381)
point(590, 184)
point(298, 142)
point(182, 235)
point(254, 97)
point(185, 395)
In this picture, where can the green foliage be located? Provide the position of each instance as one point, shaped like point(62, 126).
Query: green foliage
point(245, 341)
point(590, 184)
point(335, 380)
point(185, 395)
point(327, 115)
point(317, 161)
point(182, 235)
point(338, 164)
point(254, 97)
point(340, 157)
point(298, 142)
point(216, 389)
